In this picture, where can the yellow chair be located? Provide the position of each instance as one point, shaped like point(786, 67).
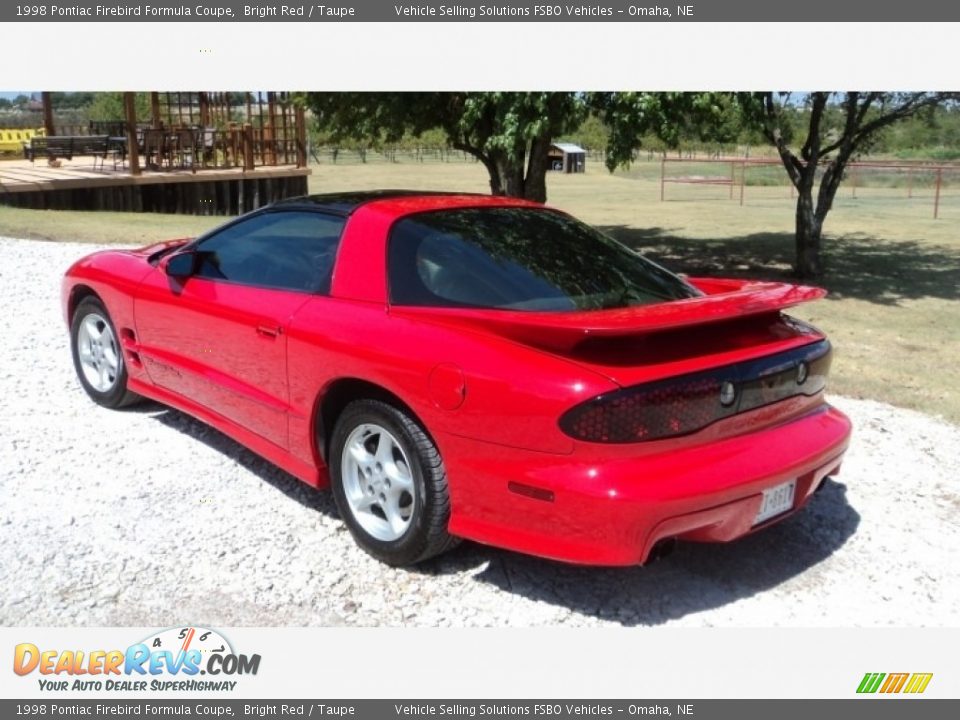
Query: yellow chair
point(12, 140)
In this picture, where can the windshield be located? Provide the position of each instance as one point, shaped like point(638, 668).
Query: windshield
point(519, 259)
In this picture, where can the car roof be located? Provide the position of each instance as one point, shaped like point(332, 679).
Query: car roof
point(399, 201)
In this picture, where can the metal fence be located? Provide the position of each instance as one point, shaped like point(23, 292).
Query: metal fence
point(906, 179)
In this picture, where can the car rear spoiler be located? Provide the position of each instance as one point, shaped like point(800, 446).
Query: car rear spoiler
point(722, 300)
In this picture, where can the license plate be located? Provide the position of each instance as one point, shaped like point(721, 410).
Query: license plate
point(776, 500)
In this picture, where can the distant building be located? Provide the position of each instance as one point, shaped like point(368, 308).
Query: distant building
point(567, 157)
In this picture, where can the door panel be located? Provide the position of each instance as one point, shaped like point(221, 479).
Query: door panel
point(221, 345)
point(218, 337)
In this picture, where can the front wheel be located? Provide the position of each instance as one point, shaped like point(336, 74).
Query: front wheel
point(389, 483)
point(97, 355)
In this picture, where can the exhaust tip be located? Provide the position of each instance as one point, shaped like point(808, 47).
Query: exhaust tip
point(662, 549)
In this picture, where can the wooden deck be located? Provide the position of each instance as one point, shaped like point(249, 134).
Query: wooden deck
point(78, 185)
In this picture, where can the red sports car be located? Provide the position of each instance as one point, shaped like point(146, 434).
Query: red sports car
point(461, 366)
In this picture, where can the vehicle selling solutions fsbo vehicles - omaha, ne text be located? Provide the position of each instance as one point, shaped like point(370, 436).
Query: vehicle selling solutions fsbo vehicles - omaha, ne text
point(466, 366)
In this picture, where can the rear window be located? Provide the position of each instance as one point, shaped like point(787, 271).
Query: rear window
point(519, 259)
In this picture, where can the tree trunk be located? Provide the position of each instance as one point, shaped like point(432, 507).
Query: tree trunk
point(491, 164)
point(496, 184)
point(535, 187)
point(511, 175)
point(809, 227)
point(507, 176)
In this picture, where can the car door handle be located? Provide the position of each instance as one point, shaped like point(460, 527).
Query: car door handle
point(269, 331)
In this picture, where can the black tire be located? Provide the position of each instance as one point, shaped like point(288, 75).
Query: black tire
point(117, 395)
point(426, 535)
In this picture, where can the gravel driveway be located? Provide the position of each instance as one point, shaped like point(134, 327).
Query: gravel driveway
point(147, 517)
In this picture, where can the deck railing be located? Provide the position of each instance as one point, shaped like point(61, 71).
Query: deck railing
point(203, 148)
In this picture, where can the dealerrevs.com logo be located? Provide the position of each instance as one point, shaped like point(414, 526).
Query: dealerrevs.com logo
point(169, 660)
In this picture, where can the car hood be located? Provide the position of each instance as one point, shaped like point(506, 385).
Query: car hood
point(153, 248)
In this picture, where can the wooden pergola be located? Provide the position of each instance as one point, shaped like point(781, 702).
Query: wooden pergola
point(196, 153)
point(273, 132)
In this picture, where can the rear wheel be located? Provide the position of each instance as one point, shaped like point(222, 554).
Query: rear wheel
point(389, 483)
point(97, 355)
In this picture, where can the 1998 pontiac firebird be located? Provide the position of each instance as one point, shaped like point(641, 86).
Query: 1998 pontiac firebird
point(460, 366)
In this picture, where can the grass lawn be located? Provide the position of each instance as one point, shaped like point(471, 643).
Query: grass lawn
point(893, 272)
point(100, 227)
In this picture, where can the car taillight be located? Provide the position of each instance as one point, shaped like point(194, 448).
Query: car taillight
point(687, 403)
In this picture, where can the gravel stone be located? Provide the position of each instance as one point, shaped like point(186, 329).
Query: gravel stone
point(147, 517)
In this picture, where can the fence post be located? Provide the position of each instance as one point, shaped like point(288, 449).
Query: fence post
point(301, 127)
point(663, 170)
point(743, 179)
point(48, 127)
point(936, 197)
point(133, 150)
point(854, 178)
point(268, 148)
point(733, 177)
point(248, 162)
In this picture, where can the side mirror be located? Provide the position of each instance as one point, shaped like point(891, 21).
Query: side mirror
point(180, 265)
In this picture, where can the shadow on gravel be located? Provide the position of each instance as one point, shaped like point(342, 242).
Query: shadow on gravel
point(696, 577)
point(263, 469)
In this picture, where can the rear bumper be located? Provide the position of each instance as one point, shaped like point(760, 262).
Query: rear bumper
point(604, 506)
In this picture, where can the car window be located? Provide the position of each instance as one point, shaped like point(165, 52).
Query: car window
point(519, 259)
point(289, 250)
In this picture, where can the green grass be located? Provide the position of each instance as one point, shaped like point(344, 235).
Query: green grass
point(100, 227)
point(893, 272)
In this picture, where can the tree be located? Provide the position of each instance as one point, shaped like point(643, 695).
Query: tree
point(109, 106)
point(510, 133)
point(673, 118)
point(72, 100)
point(838, 128)
point(831, 141)
point(592, 135)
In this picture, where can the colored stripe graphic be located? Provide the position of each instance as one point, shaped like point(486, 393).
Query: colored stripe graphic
point(894, 683)
point(918, 682)
point(870, 682)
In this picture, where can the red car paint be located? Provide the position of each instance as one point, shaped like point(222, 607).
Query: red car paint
point(490, 386)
